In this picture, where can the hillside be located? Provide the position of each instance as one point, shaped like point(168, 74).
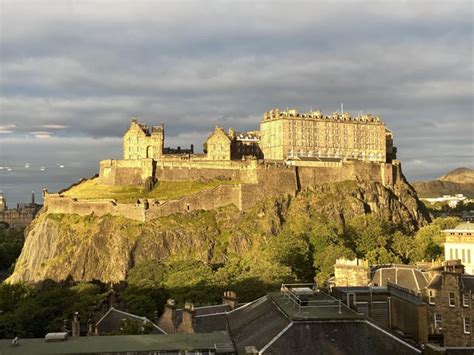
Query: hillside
point(460, 176)
point(458, 181)
point(105, 248)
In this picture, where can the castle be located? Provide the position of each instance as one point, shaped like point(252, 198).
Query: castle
point(291, 152)
point(21, 216)
point(283, 136)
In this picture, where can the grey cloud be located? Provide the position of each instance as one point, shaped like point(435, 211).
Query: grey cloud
point(79, 70)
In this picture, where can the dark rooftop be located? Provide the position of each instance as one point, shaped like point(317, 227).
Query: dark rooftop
point(122, 344)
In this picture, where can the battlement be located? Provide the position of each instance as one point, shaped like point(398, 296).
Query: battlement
point(318, 115)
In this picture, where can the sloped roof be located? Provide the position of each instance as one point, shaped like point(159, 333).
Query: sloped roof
point(467, 282)
point(337, 338)
point(111, 321)
point(410, 278)
point(435, 283)
point(256, 324)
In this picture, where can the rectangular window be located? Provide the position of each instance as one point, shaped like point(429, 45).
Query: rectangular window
point(467, 325)
point(468, 256)
point(451, 254)
point(465, 299)
point(452, 302)
point(438, 320)
point(431, 297)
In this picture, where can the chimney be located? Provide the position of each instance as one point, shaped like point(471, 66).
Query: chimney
point(32, 197)
point(187, 324)
point(76, 326)
point(168, 319)
point(230, 298)
point(90, 330)
point(192, 148)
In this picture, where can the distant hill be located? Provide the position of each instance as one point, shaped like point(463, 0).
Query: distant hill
point(457, 181)
point(460, 176)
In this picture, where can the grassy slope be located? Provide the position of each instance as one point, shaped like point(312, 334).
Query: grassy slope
point(164, 190)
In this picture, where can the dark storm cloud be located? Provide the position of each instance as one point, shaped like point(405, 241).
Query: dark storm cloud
point(74, 72)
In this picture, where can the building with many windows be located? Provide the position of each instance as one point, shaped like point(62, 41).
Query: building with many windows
point(289, 134)
point(459, 245)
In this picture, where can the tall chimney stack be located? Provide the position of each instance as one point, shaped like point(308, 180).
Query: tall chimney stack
point(76, 326)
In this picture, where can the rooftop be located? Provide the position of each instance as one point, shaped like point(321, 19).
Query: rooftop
point(299, 305)
point(122, 344)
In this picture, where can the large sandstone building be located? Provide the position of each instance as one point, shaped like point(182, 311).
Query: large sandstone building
point(283, 136)
point(291, 135)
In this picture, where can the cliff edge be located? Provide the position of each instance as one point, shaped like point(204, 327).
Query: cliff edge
point(106, 247)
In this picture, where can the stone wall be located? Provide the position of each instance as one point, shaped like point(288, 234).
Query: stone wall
point(351, 272)
point(144, 210)
point(408, 314)
point(59, 204)
point(351, 170)
point(219, 196)
point(125, 172)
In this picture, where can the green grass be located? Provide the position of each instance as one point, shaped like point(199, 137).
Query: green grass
point(164, 190)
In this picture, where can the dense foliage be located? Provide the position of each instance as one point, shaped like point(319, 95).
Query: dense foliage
point(11, 242)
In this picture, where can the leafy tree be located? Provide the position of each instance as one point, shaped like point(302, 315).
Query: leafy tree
point(427, 244)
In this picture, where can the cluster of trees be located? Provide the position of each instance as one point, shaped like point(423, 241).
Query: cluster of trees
point(11, 242)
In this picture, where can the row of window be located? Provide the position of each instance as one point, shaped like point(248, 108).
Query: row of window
point(438, 323)
point(452, 299)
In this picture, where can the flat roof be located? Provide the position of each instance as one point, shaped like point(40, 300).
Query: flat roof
point(121, 344)
point(320, 306)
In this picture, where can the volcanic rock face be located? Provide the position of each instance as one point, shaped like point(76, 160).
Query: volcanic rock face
point(104, 248)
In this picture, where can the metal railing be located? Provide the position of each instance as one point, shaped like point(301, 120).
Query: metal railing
point(301, 301)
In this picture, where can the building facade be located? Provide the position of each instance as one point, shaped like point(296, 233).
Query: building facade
point(449, 299)
point(283, 136)
point(141, 142)
point(289, 134)
point(459, 245)
point(21, 216)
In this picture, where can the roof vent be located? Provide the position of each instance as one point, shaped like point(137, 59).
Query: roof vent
point(50, 337)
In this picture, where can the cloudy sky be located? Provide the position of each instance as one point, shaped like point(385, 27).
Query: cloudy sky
point(72, 73)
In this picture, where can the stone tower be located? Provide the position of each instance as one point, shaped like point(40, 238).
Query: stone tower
point(139, 142)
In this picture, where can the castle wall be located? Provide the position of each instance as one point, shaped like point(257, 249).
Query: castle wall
point(58, 204)
point(351, 170)
point(219, 196)
point(172, 170)
point(125, 172)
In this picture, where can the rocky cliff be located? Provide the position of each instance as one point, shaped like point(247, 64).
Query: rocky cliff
point(104, 248)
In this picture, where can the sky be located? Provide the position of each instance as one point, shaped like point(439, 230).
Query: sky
point(73, 73)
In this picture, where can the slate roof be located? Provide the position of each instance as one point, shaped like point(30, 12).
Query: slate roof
point(410, 278)
point(435, 283)
point(124, 344)
point(467, 282)
point(337, 338)
point(256, 324)
point(111, 321)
